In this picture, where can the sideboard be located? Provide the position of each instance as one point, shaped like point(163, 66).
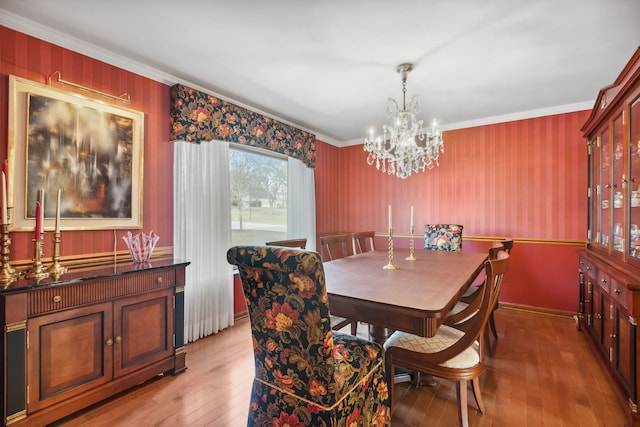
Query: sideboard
point(73, 341)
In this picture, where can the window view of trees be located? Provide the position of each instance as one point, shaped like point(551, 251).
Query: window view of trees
point(258, 197)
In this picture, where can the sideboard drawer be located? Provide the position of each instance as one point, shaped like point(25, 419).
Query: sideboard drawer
point(604, 281)
point(56, 298)
point(619, 292)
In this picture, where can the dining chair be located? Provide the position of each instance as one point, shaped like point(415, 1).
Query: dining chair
point(464, 310)
point(508, 246)
point(470, 296)
point(290, 243)
point(360, 240)
point(443, 237)
point(332, 247)
point(451, 354)
point(305, 373)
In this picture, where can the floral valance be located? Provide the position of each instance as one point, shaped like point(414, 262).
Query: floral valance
point(198, 117)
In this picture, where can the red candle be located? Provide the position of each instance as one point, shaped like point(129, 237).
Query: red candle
point(5, 169)
point(38, 221)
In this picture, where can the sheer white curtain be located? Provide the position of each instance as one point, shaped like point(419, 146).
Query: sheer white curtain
point(301, 203)
point(202, 234)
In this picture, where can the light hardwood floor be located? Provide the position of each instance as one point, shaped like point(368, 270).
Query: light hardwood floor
point(543, 373)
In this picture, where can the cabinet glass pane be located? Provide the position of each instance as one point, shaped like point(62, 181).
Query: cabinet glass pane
point(594, 184)
point(634, 178)
point(606, 223)
point(618, 196)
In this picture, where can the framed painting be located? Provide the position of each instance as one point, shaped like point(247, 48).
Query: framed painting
point(90, 150)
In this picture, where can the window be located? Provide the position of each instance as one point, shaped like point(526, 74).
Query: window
point(258, 196)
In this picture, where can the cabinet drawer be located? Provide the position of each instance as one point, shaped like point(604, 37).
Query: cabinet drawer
point(604, 281)
point(56, 298)
point(619, 292)
point(588, 268)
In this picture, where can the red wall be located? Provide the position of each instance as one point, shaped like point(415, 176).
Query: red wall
point(524, 179)
point(36, 60)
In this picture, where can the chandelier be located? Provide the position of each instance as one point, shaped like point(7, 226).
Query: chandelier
point(404, 147)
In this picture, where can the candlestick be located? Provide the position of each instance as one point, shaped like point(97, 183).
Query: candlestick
point(58, 212)
point(390, 223)
point(412, 255)
point(56, 269)
point(37, 270)
point(390, 265)
point(8, 274)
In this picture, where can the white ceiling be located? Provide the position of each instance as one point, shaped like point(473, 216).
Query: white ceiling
point(329, 66)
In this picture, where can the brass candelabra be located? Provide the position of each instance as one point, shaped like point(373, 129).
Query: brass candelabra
point(56, 269)
point(412, 254)
point(390, 265)
point(8, 274)
point(37, 270)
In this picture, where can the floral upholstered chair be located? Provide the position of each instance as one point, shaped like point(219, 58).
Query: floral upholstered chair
point(305, 373)
point(443, 237)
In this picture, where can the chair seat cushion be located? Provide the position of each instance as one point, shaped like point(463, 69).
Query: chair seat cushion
point(444, 338)
point(354, 359)
point(458, 308)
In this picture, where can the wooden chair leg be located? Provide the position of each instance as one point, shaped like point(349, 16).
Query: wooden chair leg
point(354, 328)
point(461, 393)
point(391, 373)
point(475, 387)
point(487, 343)
point(492, 324)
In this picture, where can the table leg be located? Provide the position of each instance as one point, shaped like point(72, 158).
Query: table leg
point(378, 334)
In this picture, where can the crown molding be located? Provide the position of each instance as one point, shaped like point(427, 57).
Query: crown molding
point(522, 115)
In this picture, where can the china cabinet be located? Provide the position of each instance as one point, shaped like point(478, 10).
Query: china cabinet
point(71, 342)
point(609, 267)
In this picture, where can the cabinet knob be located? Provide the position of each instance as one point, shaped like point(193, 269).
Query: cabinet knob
point(159, 280)
point(617, 291)
point(612, 336)
point(603, 280)
point(588, 268)
point(118, 338)
point(598, 316)
point(607, 186)
point(586, 301)
point(109, 341)
point(57, 298)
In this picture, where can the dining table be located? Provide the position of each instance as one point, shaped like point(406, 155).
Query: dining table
point(414, 298)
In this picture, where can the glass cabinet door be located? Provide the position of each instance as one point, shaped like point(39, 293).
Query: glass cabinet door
point(634, 178)
point(618, 195)
point(605, 189)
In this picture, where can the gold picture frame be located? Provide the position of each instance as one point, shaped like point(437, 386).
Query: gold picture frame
point(91, 150)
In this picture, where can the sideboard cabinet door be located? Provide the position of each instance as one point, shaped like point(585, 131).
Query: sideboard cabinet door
point(143, 327)
point(68, 353)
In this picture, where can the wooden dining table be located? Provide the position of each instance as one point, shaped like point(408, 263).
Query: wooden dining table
point(414, 298)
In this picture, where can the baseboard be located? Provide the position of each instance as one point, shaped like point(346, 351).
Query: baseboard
point(540, 310)
point(240, 316)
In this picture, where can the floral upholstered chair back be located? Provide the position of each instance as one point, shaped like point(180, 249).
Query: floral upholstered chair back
point(305, 373)
point(443, 237)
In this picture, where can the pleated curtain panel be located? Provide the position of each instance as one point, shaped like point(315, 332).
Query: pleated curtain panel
point(202, 127)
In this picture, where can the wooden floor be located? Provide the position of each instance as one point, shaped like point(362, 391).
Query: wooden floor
point(543, 374)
